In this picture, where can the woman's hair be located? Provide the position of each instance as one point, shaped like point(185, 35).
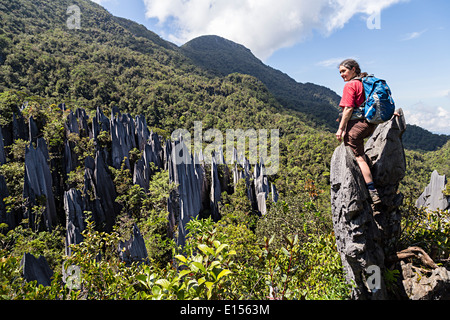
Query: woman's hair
point(350, 64)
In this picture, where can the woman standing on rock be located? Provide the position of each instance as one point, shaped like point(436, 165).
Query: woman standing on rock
point(353, 127)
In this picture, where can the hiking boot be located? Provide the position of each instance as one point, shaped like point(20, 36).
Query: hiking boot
point(375, 197)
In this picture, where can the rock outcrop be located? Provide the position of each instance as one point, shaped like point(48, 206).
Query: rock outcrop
point(362, 230)
point(433, 197)
point(354, 225)
point(216, 190)
point(36, 269)
point(421, 284)
point(121, 143)
point(47, 185)
point(2, 149)
point(386, 156)
point(75, 220)
point(189, 178)
point(152, 154)
point(134, 249)
point(37, 190)
point(5, 217)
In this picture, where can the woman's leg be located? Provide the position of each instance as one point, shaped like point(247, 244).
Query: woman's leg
point(357, 131)
point(365, 170)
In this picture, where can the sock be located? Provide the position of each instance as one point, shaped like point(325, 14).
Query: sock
point(371, 186)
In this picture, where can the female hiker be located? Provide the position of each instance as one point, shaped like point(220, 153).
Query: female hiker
point(353, 128)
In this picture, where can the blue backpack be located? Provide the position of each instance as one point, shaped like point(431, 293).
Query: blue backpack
point(379, 106)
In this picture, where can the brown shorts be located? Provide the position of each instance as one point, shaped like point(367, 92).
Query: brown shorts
point(357, 131)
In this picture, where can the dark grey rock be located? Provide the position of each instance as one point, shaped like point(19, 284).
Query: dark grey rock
point(100, 123)
point(156, 150)
point(433, 197)
point(216, 190)
point(20, 129)
point(99, 193)
point(72, 123)
point(75, 224)
point(130, 130)
point(123, 138)
point(142, 132)
point(189, 179)
point(36, 269)
point(70, 157)
point(5, 217)
point(152, 153)
point(91, 200)
point(262, 188)
point(421, 285)
point(354, 226)
point(257, 183)
point(365, 233)
point(38, 184)
point(387, 157)
point(274, 193)
point(105, 191)
point(141, 175)
point(167, 152)
point(42, 146)
point(33, 130)
point(82, 119)
point(2, 149)
point(133, 250)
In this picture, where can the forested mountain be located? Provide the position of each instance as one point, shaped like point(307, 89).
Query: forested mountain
point(223, 57)
point(113, 62)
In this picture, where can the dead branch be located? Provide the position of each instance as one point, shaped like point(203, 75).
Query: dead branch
point(414, 252)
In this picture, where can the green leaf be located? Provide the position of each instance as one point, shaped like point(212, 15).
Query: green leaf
point(214, 264)
point(163, 283)
point(205, 249)
point(296, 239)
point(209, 285)
point(216, 243)
point(220, 248)
point(201, 281)
point(192, 285)
point(183, 273)
point(288, 240)
point(156, 290)
point(198, 266)
point(181, 258)
point(223, 273)
point(142, 278)
point(286, 252)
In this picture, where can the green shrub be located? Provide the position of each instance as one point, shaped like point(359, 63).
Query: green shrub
point(204, 268)
point(322, 277)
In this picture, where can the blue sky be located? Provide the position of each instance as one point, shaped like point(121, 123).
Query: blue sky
point(405, 42)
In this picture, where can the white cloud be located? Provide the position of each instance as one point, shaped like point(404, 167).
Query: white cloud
point(333, 62)
point(413, 35)
point(100, 1)
point(264, 26)
point(446, 94)
point(433, 118)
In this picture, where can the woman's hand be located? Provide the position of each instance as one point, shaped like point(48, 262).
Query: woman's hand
point(346, 115)
point(340, 134)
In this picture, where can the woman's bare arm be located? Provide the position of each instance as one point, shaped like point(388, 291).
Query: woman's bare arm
point(346, 116)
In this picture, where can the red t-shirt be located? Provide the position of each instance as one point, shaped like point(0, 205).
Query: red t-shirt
point(353, 95)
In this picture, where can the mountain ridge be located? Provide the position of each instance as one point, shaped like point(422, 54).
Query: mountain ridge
point(116, 61)
point(223, 56)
